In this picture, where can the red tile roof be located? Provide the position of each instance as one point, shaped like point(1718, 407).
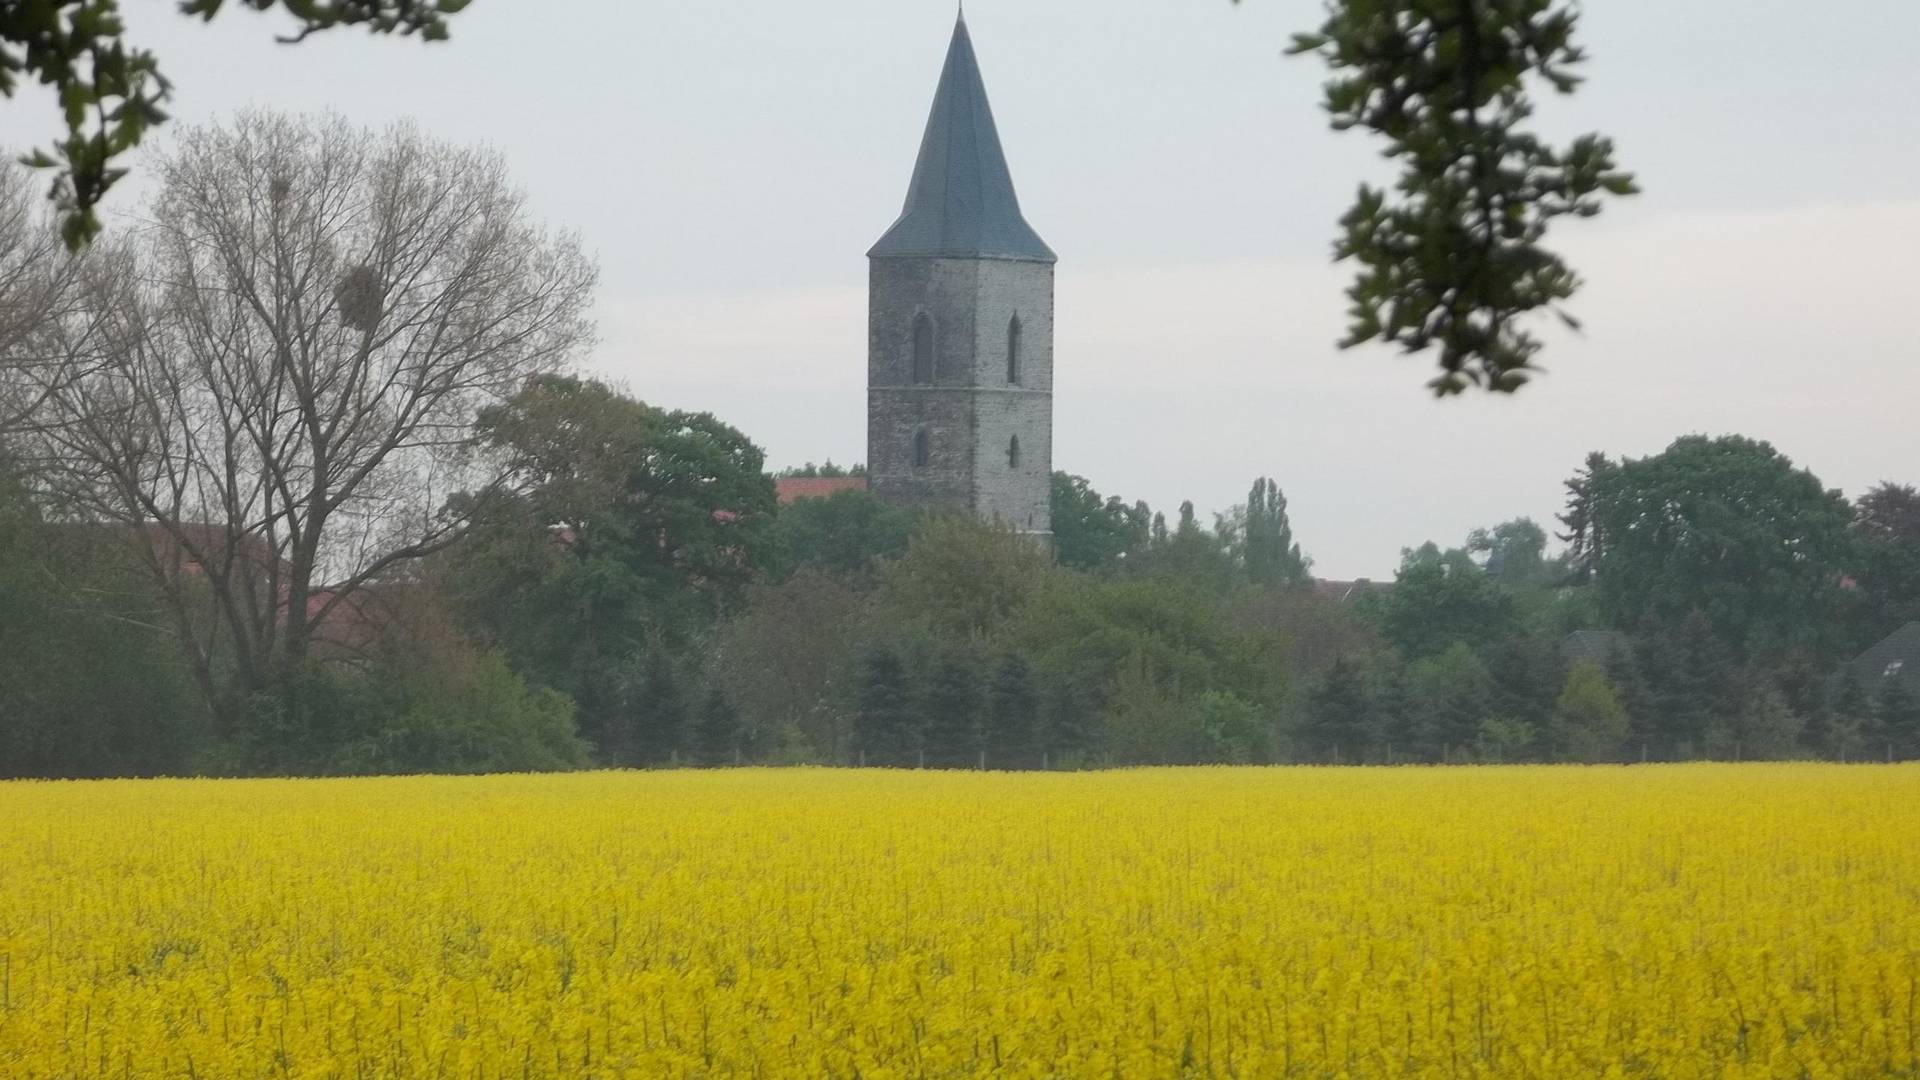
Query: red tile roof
point(789, 488)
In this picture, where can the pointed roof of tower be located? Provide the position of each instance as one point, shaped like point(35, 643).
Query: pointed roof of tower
point(961, 202)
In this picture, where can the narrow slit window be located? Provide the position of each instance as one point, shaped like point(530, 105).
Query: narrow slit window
point(1013, 452)
point(921, 450)
point(923, 350)
point(1013, 351)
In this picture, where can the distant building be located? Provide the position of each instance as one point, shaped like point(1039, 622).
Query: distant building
point(960, 325)
point(1595, 646)
point(1895, 657)
point(789, 488)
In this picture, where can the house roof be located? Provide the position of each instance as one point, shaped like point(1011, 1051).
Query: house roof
point(960, 203)
point(1895, 656)
point(1597, 646)
point(789, 488)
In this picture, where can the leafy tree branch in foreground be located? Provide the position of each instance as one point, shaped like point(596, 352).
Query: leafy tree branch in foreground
point(1453, 258)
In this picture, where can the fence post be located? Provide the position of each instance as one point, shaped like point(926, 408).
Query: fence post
point(983, 761)
point(1046, 761)
point(923, 757)
point(863, 757)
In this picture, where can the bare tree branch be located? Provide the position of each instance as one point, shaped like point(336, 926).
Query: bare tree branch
point(271, 389)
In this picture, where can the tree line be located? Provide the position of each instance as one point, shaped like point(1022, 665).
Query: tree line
point(299, 477)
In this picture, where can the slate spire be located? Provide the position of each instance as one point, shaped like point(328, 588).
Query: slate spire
point(961, 202)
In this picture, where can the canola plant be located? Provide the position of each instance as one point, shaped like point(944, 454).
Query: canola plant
point(1684, 921)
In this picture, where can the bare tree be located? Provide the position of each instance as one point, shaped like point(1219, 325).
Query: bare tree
point(272, 388)
point(37, 287)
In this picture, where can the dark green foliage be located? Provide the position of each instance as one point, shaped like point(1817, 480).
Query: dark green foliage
point(1516, 553)
point(1262, 539)
point(1070, 723)
point(1092, 533)
point(1454, 560)
point(1088, 633)
point(847, 532)
point(112, 94)
point(718, 739)
point(1887, 522)
point(659, 709)
point(964, 578)
point(1691, 680)
point(1191, 556)
point(1455, 260)
point(951, 714)
point(1340, 722)
point(1729, 528)
point(884, 726)
point(91, 683)
point(1013, 716)
point(1528, 675)
point(1451, 694)
point(463, 714)
point(1761, 725)
point(1625, 676)
point(1896, 711)
point(788, 661)
point(639, 529)
point(1848, 724)
point(1589, 722)
point(1435, 603)
point(828, 470)
point(1397, 715)
point(1232, 731)
point(1585, 545)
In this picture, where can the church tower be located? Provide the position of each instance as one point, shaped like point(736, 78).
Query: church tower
point(960, 326)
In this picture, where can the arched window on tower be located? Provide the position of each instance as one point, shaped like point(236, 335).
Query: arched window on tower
point(1013, 452)
point(922, 350)
point(1013, 351)
point(921, 449)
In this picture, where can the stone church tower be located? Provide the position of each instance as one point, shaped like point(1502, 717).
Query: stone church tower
point(960, 326)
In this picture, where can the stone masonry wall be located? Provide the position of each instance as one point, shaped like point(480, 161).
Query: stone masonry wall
point(970, 412)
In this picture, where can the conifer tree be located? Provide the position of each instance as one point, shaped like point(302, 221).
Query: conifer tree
point(1701, 712)
point(1764, 726)
point(952, 714)
point(1340, 718)
point(718, 738)
point(1849, 723)
point(1012, 715)
point(1528, 678)
point(1393, 723)
point(660, 709)
point(1584, 543)
point(1897, 711)
point(1068, 730)
point(883, 723)
point(1452, 694)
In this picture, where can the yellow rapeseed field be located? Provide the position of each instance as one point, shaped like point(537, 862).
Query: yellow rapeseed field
point(1690, 921)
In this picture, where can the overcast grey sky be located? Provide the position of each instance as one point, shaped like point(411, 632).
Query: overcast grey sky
point(732, 161)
